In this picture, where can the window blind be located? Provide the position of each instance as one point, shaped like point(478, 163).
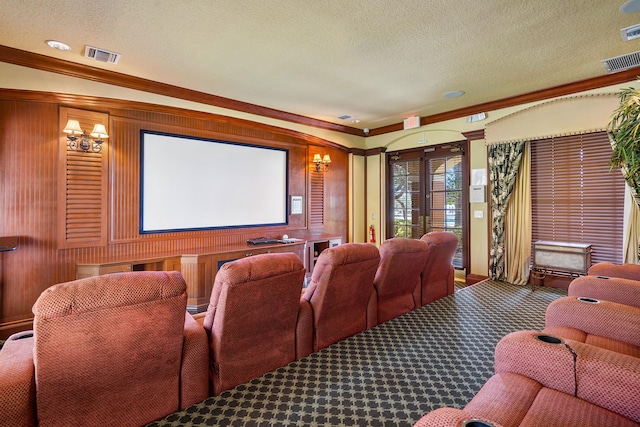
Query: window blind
point(575, 197)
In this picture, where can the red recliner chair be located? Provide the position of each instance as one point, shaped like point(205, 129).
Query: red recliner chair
point(117, 349)
point(252, 316)
point(609, 269)
point(603, 324)
point(438, 274)
point(615, 289)
point(340, 300)
point(397, 281)
point(542, 380)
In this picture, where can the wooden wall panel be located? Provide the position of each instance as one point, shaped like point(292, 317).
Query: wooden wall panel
point(82, 186)
point(28, 204)
point(30, 178)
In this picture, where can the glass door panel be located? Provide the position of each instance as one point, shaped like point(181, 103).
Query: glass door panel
point(406, 195)
point(426, 192)
point(446, 198)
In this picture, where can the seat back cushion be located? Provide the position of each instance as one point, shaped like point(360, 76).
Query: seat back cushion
point(397, 280)
point(108, 349)
point(438, 274)
point(342, 283)
point(251, 320)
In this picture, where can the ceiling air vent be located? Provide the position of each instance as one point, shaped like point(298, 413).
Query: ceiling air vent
point(101, 55)
point(345, 117)
point(622, 62)
point(630, 33)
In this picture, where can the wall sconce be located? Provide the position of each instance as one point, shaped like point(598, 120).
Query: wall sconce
point(85, 143)
point(322, 163)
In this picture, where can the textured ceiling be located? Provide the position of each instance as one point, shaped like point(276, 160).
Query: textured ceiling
point(379, 61)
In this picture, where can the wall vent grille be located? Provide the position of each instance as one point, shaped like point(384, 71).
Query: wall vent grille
point(630, 33)
point(101, 55)
point(622, 62)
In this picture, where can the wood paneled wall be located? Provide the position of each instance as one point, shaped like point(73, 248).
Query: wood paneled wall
point(31, 174)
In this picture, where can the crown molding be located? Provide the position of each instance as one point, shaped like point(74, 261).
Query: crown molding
point(54, 65)
point(67, 68)
point(540, 95)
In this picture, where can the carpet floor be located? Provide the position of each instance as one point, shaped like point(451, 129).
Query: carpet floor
point(391, 375)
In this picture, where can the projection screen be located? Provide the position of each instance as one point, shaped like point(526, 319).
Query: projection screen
point(189, 183)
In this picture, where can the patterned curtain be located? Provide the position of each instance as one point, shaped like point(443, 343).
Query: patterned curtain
point(504, 162)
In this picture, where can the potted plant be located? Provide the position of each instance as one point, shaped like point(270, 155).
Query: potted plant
point(624, 132)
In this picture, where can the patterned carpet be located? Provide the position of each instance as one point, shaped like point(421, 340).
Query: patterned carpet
point(391, 375)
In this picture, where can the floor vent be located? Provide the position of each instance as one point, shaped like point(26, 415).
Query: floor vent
point(101, 55)
point(622, 62)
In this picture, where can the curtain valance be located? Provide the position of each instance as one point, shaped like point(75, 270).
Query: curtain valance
point(559, 117)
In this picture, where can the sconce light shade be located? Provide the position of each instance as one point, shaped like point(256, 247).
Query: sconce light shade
point(73, 128)
point(322, 162)
point(99, 131)
point(85, 143)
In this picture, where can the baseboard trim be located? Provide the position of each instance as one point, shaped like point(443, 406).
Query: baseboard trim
point(472, 279)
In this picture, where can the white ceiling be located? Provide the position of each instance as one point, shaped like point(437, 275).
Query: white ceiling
point(377, 60)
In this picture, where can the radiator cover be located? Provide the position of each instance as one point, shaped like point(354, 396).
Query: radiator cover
point(573, 259)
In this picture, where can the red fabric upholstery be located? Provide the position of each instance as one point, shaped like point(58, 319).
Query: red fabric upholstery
point(252, 315)
point(512, 400)
point(609, 269)
point(195, 364)
point(623, 291)
point(111, 348)
point(340, 292)
point(438, 274)
point(450, 417)
point(397, 280)
point(574, 334)
point(606, 319)
point(17, 381)
point(535, 385)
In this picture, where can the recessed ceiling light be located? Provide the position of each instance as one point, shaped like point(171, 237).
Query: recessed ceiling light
point(454, 94)
point(58, 45)
point(631, 6)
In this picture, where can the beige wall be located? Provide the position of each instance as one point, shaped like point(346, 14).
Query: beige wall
point(479, 227)
point(357, 198)
point(450, 131)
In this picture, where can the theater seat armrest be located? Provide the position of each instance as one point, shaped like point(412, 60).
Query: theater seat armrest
point(624, 271)
point(448, 417)
point(17, 381)
point(608, 319)
point(304, 330)
point(621, 291)
point(194, 376)
point(372, 309)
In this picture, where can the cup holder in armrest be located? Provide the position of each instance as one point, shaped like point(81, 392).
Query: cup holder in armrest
point(549, 339)
point(474, 422)
point(603, 277)
point(22, 335)
point(589, 300)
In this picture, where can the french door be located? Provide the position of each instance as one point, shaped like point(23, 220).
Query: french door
point(427, 191)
